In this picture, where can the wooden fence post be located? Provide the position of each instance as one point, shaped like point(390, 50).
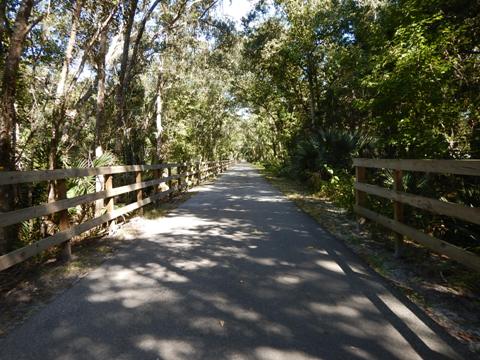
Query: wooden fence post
point(190, 178)
point(360, 196)
point(64, 222)
point(170, 182)
point(138, 180)
point(156, 176)
point(398, 212)
point(99, 186)
point(199, 173)
point(183, 179)
point(109, 202)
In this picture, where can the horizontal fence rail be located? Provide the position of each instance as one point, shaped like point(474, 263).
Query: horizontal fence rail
point(401, 198)
point(196, 172)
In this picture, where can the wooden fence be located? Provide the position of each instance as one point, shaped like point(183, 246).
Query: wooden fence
point(399, 198)
point(177, 180)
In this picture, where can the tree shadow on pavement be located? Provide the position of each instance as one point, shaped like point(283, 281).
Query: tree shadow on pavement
point(237, 272)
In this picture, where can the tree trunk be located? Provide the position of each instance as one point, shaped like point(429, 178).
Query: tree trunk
point(311, 88)
point(159, 115)
point(8, 116)
point(59, 111)
point(129, 10)
point(100, 114)
point(4, 28)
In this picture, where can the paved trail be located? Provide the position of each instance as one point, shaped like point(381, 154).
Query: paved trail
point(237, 272)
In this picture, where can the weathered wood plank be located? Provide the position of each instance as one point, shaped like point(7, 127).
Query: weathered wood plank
point(360, 196)
point(64, 220)
point(18, 177)
point(459, 167)
point(110, 201)
point(109, 193)
point(464, 257)
point(17, 216)
point(458, 211)
point(170, 183)
point(398, 211)
point(28, 251)
point(138, 180)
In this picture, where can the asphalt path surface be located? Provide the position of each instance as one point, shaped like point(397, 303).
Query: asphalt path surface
point(236, 272)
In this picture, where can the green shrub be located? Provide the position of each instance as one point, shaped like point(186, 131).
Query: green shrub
point(339, 189)
point(326, 150)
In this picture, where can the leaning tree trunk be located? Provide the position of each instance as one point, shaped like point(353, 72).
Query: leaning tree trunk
point(8, 118)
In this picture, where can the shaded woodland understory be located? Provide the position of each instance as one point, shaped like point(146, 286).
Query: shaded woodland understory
point(300, 86)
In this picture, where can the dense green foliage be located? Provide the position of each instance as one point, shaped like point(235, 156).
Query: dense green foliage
point(182, 57)
point(329, 80)
point(404, 73)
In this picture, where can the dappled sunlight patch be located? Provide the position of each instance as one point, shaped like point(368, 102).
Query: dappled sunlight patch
point(294, 277)
point(330, 265)
point(134, 297)
point(89, 346)
point(207, 324)
point(242, 235)
point(167, 349)
point(356, 352)
point(188, 265)
point(181, 244)
point(269, 353)
point(228, 252)
point(134, 287)
point(234, 210)
point(329, 309)
point(288, 279)
point(277, 329)
point(223, 304)
point(316, 250)
point(265, 261)
point(271, 198)
point(287, 264)
point(161, 273)
point(259, 198)
point(179, 224)
point(148, 274)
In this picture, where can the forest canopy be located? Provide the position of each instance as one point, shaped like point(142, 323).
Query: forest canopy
point(151, 80)
point(400, 78)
